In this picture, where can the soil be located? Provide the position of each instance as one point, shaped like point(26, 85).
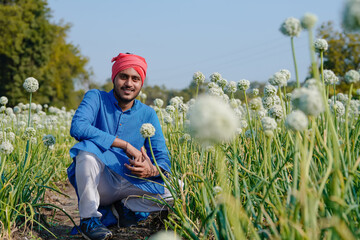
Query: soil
point(60, 224)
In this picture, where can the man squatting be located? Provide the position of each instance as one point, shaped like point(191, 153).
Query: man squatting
point(110, 159)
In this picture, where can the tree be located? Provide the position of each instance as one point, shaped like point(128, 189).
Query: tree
point(343, 53)
point(32, 46)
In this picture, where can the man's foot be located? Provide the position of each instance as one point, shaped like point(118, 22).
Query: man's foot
point(93, 229)
point(125, 217)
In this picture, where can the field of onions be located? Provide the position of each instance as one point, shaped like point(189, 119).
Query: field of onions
point(280, 164)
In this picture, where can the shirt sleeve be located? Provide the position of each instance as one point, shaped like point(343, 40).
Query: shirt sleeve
point(82, 125)
point(158, 144)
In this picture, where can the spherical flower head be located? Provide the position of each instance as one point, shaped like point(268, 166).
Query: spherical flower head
point(6, 147)
point(243, 85)
point(215, 77)
point(10, 136)
point(338, 108)
point(351, 15)
point(222, 82)
point(212, 85)
point(278, 79)
point(268, 123)
point(49, 140)
point(31, 85)
point(276, 112)
point(291, 27)
point(269, 90)
point(267, 102)
point(17, 110)
point(215, 91)
point(231, 87)
point(330, 78)
point(212, 120)
point(286, 73)
point(158, 102)
point(358, 92)
point(255, 92)
point(175, 101)
point(147, 130)
point(168, 119)
point(4, 100)
point(297, 121)
point(29, 133)
point(308, 21)
point(311, 83)
point(198, 78)
point(243, 124)
point(183, 108)
point(9, 111)
point(185, 138)
point(308, 100)
point(342, 97)
point(142, 95)
point(321, 45)
point(255, 104)
point(352, 76)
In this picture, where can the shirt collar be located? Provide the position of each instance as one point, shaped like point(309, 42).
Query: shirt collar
point(113, 100)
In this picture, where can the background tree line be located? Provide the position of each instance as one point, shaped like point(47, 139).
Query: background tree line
point(31, 45)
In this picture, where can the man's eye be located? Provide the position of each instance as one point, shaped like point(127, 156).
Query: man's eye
point(123, 76)
point(136, 79)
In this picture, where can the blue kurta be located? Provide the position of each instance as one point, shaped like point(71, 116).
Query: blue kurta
point(99, 120)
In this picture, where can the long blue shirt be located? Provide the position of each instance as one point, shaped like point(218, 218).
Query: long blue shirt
point(99, 120)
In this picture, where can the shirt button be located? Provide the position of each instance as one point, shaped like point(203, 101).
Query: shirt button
point(120, 124)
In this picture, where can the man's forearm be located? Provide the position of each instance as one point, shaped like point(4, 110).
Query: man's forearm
point(119, 143)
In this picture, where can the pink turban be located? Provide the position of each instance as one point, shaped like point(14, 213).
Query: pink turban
point(126, 60)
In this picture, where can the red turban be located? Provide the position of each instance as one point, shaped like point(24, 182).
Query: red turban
point(126, 60)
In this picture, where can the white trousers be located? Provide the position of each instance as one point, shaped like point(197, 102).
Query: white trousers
point(98, 185)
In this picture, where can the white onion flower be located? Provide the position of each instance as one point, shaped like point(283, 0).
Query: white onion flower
point(49, 140)
point(215, 91)
point(268, 123)
point(4, 100)
point(311, 83)
point(286, 73)
point(147, 130)
point(2, 108)
point(248, 133)
point(31, 85)
point(291, 27)
point(6, 147)
point(243, 124)
point(269, 90)
point(212, 85)
point(267, 102)
point(308, 21)
point(352, 76)
point(158, 102)
point(321, 45)
point(255, 92)
point(255, 104)
point(338, 108)
point(330, 78)
point(276, 112)
point(10, 136)
point(351, 15)
point(215, 77)
point(175, 101)
point(198, 78)
point(231, 87)
point(168, 119)
point(17, 110)
point(212, 120)
point(170, 109)
point(29, 133)
point(9, 111)
point(185, 138)
point(278, 79)
point(222, 82)
point(297, 121)
point(358, 92)
point(342, 97)
point(183, 108)
point(243, 85)
point(308, 100)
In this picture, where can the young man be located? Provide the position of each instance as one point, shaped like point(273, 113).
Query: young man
point(110, 164)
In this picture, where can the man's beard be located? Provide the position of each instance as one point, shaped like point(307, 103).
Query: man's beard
point(124, 100)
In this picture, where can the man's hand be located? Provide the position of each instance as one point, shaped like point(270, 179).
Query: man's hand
point(144, 168)
point(133, 153)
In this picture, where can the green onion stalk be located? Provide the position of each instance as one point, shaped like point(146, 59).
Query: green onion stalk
point(295, 64)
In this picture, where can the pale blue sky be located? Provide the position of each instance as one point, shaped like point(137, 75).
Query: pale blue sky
point(239, 39)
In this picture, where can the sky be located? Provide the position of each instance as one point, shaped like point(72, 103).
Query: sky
point(239, 39)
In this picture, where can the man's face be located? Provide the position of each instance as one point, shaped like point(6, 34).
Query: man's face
point(127, 85)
